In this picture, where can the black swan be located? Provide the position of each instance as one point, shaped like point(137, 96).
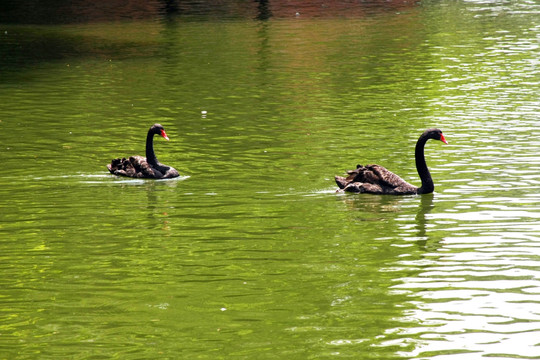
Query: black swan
point(144, 167)
point(375, 179)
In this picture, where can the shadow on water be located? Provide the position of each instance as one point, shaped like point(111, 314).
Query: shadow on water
point(80, 11)
point(26, 39)
point(264, 12)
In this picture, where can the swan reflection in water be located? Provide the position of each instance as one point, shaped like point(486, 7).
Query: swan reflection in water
point(386, 209)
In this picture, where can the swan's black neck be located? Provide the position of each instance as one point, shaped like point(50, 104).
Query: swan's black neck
point(421, 166)
point(150, 155)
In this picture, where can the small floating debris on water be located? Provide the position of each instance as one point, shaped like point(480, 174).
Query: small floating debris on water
point(203, 114)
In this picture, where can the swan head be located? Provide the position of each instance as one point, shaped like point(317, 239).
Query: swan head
point(159, 130)
point(435, 134)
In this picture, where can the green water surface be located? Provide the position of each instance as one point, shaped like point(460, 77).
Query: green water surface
point(251, 254)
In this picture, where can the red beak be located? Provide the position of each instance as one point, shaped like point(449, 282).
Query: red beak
point(443, 139)
point(167, 138)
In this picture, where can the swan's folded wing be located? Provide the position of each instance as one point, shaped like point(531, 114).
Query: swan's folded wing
point(370, 174)
point(384, 176)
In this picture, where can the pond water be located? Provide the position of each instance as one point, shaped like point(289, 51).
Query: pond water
point(251, 253)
